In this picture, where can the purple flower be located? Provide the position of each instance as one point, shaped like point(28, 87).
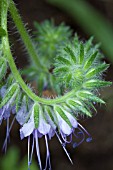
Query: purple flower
point(5, 113)
point(29, 129)
point(48, 123)
point(23, 111)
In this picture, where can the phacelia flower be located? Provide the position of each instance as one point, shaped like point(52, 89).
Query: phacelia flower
point(47, 122)
point(7, 107)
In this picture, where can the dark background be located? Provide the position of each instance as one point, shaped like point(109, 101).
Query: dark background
point(97, 155)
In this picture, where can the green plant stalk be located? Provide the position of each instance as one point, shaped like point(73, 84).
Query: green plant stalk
point(17, 76)
point(25, 36)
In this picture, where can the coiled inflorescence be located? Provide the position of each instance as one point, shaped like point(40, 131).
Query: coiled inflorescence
point(78, 65)
point(49, 38)
point(76, 74)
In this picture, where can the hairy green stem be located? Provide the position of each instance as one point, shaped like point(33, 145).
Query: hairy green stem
point(25, 36)
point(17, 76)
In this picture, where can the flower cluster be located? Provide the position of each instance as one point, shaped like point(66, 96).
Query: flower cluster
point(47, 122)
point(78, 65)
point(76, 73)
point(48, 40)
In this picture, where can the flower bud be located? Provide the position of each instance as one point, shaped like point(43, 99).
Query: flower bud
point(10, 94)
point(3, 67)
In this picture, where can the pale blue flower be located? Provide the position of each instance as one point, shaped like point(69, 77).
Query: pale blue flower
point(5, 113)
point(48, 127)
point(29, 129)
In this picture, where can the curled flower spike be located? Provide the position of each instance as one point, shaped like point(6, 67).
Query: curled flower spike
point(78, 65)
point(73, 70)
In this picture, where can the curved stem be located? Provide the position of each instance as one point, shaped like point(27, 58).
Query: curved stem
point(17, 76)
point(25, 36)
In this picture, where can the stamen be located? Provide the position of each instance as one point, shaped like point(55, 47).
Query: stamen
point(89, 139)
point(64, 137)
point(75, 144)
point(37, 149)
point(63, 147)
point(32, 151)
point(47, 156)
point(7, 134)
point(28, 152)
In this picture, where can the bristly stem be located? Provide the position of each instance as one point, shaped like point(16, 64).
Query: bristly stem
point(25, 36)
point(17, 76)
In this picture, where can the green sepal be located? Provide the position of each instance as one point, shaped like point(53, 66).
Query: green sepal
point(24, 100)
point(78, 106)
point(66, 107)
point(36, 110)
point(88, 44)
point(3, 67)
point(49, 111)
point(61, 112)
point(95, 83)
point(90, 104)
point(89, 96)
point(18, 101)
point(63, 60)
point(74, 102)
point(76, 40)
point(71, 53)
point(68, 79)
point(10, 95)
point(2, 32)
point(10, 80)
point(90, 60)
point(81, 53)
point(60, 69)
point(27, 101)
point(101, 68)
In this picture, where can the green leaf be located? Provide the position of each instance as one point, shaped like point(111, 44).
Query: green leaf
point(90, 60)
point(10, 95)
point(90, 96)
point(36, 110)
point(78, 106)
point(61, 69)
point(68, 79)
point(81, 56)
point(61, 112)
point(2, 32)
point(74, 102)
point(76, 40)
point(101, 68)
point(95, 83)
point(63, 60)
point(10, 80)
point(88, 44)
point(71, 53)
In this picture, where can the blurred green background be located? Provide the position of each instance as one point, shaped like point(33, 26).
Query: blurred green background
point(86, 17)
